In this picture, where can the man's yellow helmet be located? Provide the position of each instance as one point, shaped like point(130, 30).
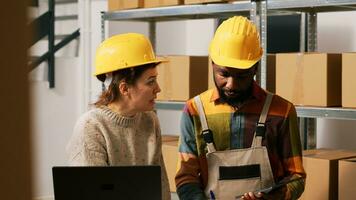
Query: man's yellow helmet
point(123, 51)
point(236, 44)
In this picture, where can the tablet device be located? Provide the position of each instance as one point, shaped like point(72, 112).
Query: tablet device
point(272, 188)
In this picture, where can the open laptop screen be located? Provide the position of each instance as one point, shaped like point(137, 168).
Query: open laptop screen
point(107, 183)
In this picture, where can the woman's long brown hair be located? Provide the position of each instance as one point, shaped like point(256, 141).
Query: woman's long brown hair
point(129, 75)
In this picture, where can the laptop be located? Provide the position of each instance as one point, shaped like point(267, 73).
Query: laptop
point(107, 183)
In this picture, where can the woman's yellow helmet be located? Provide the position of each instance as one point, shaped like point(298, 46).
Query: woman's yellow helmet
point(123, 51)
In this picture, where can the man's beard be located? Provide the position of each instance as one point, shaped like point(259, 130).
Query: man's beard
point(237, 100)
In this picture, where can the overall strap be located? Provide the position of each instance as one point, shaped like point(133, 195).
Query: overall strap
point(207, 134)
point(260, 129)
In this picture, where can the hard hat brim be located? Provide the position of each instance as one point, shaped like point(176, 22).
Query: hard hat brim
point(156, 61)
point(233, 63)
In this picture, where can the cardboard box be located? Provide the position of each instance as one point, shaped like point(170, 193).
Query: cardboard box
point(271, 73)
point(182, 77)
point(202, 1)
point(170, 157)
point(169, 138)
point(158, 3)
point(114, 5)
point(321, 167)
point(347, 179)
point(312, 79)
point(348, 80)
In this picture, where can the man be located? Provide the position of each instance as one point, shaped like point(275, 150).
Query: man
point(238, 138)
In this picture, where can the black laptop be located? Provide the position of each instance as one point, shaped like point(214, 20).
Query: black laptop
point(107, 183)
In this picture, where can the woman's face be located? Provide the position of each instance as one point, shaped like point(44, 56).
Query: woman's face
point(143, 94)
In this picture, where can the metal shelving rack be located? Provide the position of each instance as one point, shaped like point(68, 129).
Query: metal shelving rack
point(302, 111)
point(257, 11)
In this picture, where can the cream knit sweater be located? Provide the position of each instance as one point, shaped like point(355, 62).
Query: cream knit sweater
point(104, 138)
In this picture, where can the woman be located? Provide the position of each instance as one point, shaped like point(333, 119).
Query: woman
point(122, 129)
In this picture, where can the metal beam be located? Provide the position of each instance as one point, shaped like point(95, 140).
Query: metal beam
point(312, 5)
point(66, 40)
point(51, 33)
point(40, 27)
point(181, 12)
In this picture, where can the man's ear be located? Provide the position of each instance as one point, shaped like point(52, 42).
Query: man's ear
point(213, 65)
point(256, 68)
point(123, 88)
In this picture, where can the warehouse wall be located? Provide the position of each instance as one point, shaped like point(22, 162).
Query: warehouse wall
point(54, 114)
point(55, 111)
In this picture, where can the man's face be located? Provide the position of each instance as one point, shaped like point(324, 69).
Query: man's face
point(234, 85)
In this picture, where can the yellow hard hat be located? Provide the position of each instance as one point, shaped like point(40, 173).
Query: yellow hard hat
point(123, 51)
point(236, 44)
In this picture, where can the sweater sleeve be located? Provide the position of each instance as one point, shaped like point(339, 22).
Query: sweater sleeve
point(87, 145)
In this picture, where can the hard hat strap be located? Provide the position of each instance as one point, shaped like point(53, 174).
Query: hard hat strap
point(108, 80)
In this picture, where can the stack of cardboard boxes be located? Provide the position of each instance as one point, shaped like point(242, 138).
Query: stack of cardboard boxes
point(329, 175)
point(182, 77)
point(115, 5)
point(202, 1)
point(348, 80)
point(170, 157)
point(159, 3)
point(317, 79)
point(124, 4)
point(347, 179)
point(311, 79)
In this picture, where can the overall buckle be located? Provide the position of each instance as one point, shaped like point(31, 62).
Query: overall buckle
point(260, 129)
point(208, 136)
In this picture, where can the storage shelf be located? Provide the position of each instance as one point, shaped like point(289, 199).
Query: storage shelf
point(227, 9)
point(180, 12)
point(322, 112)
point(302, 111)
point(312, 5)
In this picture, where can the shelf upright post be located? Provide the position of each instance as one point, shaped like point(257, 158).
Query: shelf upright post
point(312, 31)
point(102, 27)
point(253, 13)
point(254, 18)
point(152, 33)
point(258, 15)
point(310, 123)
point(302, 32)
point(301, 120)
point(263, 33)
